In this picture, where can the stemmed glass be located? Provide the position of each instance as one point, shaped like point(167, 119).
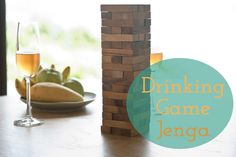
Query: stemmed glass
point(28, 62)
point(156, 57)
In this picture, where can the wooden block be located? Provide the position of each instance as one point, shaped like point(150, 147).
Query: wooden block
point(141, 15)
point(111, 59)
point(117, 37)
point(123, 82)
point(107, 87)
point(141, 36)
point(106, 129)
point(119, 88)
point(126, 8)
point(114, 109)
point(123, 132)
point(130, 15)
point(106, 59)
point(120, 52)
point(119, 131)
point(135, 30)
point(127, 30)
point(116, 30)
point(122, 37)
point(123, 29)
point(106, 44)
point(142, 44)
point(117, 124)
point(133, 132)
point(147, 37)
point(141, 8)
point(106, 15)
point(136, 59)
point(147, 22)
point(119, 8)
point(117, 82)
point(117, 67)
point(114, 95)
point(116, 59)
point(113, 102)
point(111, 80)
point(141, 66)
point(136, 45)
point(147, 7)
point(116, 45)
point(122, 15)
point(126, 67)
point(125, 23)
point(126, 52)
point(141, 29)
point(145, 51)
point(112, 74)
point(127, 45)
point(107, 115)
point(106, 30)
point(128, 75)
point(120, 117)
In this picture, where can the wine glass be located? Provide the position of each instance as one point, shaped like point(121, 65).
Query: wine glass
point(156, 57)
point(28, 62)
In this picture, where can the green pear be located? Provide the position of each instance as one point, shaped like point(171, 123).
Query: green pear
point(49, 75)
point(74, 85)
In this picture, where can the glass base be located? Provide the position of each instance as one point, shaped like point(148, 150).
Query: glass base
point(27, 122)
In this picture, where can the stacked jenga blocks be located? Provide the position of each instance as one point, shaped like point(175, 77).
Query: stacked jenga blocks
point(125, 52)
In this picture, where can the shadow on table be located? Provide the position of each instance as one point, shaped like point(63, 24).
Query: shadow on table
point(125, 146)
point(43, 114)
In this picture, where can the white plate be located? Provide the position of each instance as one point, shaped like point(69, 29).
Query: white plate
point(63, 106)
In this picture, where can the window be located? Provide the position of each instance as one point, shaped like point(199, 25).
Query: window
point(67, 33)
point(3, 78)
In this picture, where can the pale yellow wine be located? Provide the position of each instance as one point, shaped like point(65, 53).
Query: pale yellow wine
point(28, 63)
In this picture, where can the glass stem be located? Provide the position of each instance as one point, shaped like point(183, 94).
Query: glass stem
point(28, 109)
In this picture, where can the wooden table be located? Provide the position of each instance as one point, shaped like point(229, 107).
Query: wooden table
point(78, 134)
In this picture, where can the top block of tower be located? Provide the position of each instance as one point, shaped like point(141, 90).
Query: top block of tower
point(125, 8)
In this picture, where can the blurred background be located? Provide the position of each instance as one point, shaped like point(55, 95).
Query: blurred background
point(70, 32)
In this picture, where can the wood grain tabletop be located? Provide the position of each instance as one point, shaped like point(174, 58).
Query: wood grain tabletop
point(78, 134)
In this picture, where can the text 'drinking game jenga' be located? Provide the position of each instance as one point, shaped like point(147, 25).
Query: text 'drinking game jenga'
point(125, 52)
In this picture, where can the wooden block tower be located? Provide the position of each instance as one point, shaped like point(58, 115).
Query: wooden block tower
point(125, 52)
